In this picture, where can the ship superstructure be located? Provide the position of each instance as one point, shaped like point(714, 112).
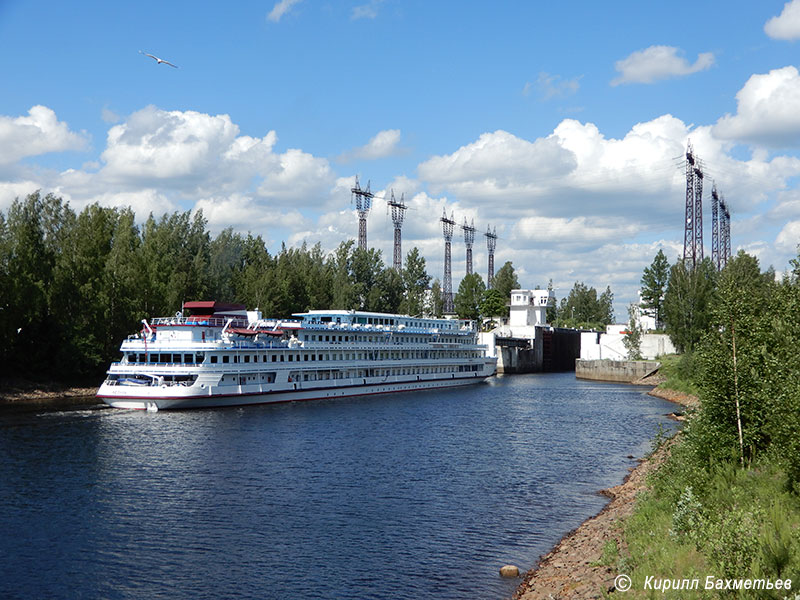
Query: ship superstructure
point(223, 355)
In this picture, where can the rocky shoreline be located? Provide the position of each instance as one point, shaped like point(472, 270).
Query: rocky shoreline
point(578, 566)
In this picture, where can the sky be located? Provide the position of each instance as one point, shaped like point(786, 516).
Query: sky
point(562, 125)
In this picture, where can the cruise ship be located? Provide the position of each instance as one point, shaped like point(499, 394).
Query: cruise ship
point(214, 354)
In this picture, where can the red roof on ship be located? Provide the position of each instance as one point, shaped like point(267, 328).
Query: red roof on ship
point(210, 307)
point(245, 331)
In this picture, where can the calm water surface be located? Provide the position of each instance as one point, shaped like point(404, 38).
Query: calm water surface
point(404, 496)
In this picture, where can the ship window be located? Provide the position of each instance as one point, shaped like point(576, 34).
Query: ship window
point(226, 358)
point(281, 357)
point(291, 357)
point(188, 359)
point(247, 358)
point(236, 358)
point(199, 357)
point(274, 358)
point(165, 358)
point(213, 358)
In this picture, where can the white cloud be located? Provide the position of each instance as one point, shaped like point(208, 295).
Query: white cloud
point(575, 169)
point(10, 191)
point(109, 116)
point(498, 160)
point(574, 232)
point(789, 237)
point(38, 133)
point(381, 145)
point(658, 62)
point(247, 213)
point(197, 154)
point(553, 86)
point(366, 11)
point(767, 110)
point(299, 177)
point(159, 145)
point(785, 26)
point(280, 9)
point(159, 161)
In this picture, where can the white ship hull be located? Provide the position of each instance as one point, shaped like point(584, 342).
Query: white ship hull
point(120, 398)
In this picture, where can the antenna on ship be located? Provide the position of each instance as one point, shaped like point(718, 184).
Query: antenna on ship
point(447, 283)
point(363, 200)
point(469, 239)
point(491, 244)
point(398, 212)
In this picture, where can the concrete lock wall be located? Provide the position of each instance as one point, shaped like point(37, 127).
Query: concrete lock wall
point(625, 371)
point(553, 349)
point(517, 360)
point(610, 346)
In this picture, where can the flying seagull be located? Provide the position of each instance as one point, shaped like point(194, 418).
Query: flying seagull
point(158, 60)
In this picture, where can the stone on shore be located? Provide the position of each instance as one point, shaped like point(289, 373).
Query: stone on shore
point(509, 571)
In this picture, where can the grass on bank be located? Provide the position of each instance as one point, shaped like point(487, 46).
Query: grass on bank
point(726, 522)
point(679, 370)
point(697, 520)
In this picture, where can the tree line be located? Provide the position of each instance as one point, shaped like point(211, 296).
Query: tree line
point(738, 330)
point(73, 285)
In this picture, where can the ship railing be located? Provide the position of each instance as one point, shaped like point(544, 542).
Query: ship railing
point(154, 381)
point(200, 321)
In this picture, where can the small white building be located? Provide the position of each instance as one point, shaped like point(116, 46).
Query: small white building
point(529, 307)
point(645, 316)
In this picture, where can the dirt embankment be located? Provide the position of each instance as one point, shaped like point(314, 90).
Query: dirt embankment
point(575, 567)
point(21, 392)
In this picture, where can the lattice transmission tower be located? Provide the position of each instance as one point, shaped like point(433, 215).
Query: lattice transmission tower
point(447, 283)
point(725, 233)
point(698, 213)
point(363, 201)
point(398, 212)
point(693, 223)
point(469, 239)
point(491, 244)
point(715, 228)
point(688, 226)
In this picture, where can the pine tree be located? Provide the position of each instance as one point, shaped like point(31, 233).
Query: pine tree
point(469, 297)
point(654, 285)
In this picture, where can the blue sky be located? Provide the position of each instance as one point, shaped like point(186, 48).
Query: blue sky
point(560, 124)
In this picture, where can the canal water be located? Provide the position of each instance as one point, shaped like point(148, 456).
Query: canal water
point(420, 495)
